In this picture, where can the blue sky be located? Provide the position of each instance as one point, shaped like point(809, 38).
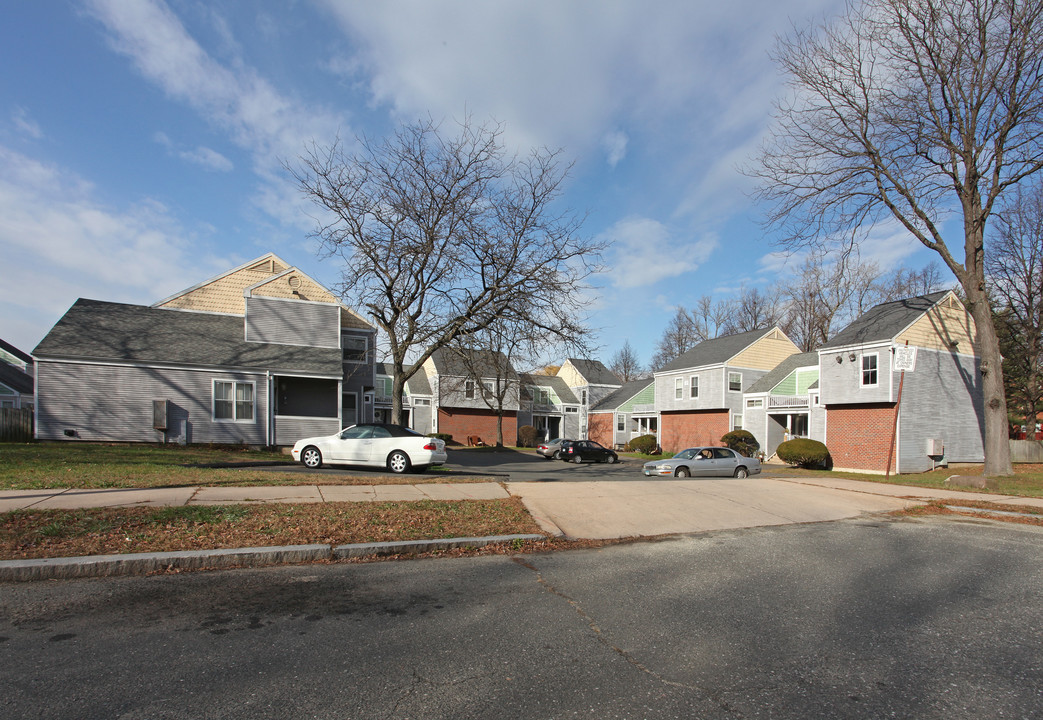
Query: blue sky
point(142, 141)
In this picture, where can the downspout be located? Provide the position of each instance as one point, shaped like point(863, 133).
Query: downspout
point(269, 440)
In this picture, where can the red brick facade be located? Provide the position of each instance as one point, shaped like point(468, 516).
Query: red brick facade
point(460, 423)
point(858, 436)
point(680, 430)
point(600, 428)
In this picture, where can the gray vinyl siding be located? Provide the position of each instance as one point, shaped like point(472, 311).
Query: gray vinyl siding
point(713, 389)
point(817, 424)
point(941, 398)
point(289, 430)
point(292, 322)
point(756, 421)
point(420, 419)
point(841, 383)
point(114, 403)
point(570, 426)
point(452, 394)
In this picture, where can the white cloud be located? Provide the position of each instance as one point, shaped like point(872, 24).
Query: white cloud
point(234, 98)
point(66, 245)
point(615, 144)
point(25, 124)
point(645, 252)
point(204, 157)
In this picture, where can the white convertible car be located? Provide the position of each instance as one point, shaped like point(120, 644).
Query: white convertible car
point(394, 447)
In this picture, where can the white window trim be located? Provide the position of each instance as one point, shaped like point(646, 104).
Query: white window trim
point(678, 388)
point(252, 420)
point(736, 421)
point(621, 419)
point(469, 386)
point(693, 388)
point(862, 370)
point(757, 403)
point(730, 373)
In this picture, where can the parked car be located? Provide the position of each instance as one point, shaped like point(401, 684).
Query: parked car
point(551, 448)
point(394, 447)
point(704, 461)
point(579, 451)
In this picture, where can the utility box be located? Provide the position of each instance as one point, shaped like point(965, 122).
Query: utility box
point(935, 447)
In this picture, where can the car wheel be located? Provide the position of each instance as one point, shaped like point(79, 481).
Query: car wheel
point(741, 472)
point(611, 459)
point(398, 462)
point(557, 454)
point(682, 472)
point(311, 457)
point(577, 459)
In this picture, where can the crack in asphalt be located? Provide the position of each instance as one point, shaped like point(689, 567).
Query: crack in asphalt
point(634, 662)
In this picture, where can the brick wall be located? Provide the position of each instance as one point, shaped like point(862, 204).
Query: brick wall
point(680, 430)
point(463, 422)
point(600, 428)
point(858, 436)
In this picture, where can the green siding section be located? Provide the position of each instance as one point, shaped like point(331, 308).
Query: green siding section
point(645, 397)
point(796, 383)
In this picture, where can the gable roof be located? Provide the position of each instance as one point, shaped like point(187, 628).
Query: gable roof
point(484, 363)
point(8, 347)
point(885, 321)
point(595, 372)
point(119, 333)
point(16, 379)
point(782, 371)
point(557, 384)
point(417, 383)
point(621, 395)
point(716, 351)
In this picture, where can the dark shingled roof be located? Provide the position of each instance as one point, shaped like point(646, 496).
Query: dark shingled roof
point(620, 396)
point(114, 332)
point(595, 372)
point(417, 384)
point(884, 322)
point(716, 351)
point(485, 363)
point(24, 357)
point(782, 371)
point(16, 379)
point(560, 387)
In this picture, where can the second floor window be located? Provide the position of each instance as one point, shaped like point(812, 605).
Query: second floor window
point(869, 370)
point(735, 381)
point(354, 348)
point(678, 388)
point(693, 390)
point(469, 389)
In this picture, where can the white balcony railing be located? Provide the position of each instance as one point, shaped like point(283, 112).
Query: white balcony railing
point(787, 401)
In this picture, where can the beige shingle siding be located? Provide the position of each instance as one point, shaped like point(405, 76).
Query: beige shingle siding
point(224, 294)
point(947, 326)
point(766, 353)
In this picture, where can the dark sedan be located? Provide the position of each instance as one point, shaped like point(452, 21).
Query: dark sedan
point(580, 451)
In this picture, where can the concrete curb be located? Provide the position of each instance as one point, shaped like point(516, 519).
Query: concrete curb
point(143, 563)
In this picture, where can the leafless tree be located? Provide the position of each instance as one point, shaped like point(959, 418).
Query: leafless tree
point(756, 309)
point(680, 336)
point(626, 364)
point(1015, 272)
point(441, 236)
point(913, 110)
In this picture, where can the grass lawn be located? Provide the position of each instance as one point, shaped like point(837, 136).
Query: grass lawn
point(35, 466)
point(101, 531)
point(1027, 480)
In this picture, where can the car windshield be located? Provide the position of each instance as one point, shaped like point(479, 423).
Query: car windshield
point(685, 454)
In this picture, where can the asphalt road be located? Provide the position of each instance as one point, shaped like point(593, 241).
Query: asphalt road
point(515, 465)
point(851, 619)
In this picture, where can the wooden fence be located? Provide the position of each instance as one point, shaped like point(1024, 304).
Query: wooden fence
point(16, 425)
point(1026, 451)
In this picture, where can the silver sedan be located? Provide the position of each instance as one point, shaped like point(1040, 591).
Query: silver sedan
point(703, 462)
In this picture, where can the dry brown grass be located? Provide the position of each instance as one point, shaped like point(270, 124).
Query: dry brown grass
point(101, 531)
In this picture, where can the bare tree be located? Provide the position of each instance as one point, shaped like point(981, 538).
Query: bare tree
point(441, 236)
point(680, 336)
point(914, 110)
point(756, 310)
point(1015, 271)
point(626, 365)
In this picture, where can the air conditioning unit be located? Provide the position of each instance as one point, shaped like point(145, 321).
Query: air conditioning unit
point(935, 447)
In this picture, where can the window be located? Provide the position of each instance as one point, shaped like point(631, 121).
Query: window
point(487, 388)
point(678, 388)
point(736, 422)
point(621, 423)
point(354, 348)
point(814, 400)
point(869, 370)
point(693, 391)
point(583, 397)
point(735, 382)
point(754, 403)
point(469, 389)
point(421, 401)
point(233, 401)
point(571, 410)
point(723, 454)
